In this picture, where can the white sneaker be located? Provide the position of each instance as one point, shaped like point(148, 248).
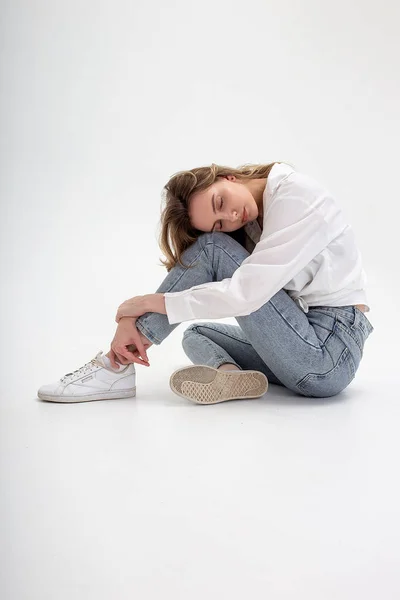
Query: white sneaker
point(93, 381)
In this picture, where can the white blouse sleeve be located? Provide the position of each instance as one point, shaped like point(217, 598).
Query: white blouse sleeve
point(296, 228)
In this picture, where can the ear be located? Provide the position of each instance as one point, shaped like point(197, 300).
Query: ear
point(230, 177)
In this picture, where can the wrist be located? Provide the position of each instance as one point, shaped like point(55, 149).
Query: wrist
point(122, 320)
point(155, 303)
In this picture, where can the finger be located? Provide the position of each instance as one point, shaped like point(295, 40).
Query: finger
point(128, 357)
point(135, 358)
point(138, 343)
point(113, 362)
point(136, 354)
point(121, 358)
point(119, 355)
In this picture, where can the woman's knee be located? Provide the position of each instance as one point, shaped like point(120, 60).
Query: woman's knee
point(189, 331)
point(194, 329)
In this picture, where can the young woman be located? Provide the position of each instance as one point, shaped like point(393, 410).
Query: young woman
point(267, 245)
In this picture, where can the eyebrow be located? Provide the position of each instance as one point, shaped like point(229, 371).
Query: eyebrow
point(213, 207)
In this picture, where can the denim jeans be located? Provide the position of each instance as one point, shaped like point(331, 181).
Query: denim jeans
point(313, 354)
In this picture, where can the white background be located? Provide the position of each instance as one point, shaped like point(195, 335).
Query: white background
point(101, 102)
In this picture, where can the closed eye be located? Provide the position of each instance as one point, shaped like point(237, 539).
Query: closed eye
point(220, 208)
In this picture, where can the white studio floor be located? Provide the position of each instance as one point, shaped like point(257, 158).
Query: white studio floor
point(280, 497)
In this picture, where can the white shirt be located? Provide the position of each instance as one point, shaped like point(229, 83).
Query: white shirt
point(306, 247)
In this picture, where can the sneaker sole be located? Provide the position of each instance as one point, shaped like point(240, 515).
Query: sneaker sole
point(106, 396)
point(205, 385)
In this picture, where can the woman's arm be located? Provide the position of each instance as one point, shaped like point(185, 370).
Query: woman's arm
point(155, 303)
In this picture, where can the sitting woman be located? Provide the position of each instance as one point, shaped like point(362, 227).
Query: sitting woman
point(264, 244)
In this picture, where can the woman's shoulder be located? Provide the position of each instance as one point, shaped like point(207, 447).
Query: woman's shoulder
point(277, 174)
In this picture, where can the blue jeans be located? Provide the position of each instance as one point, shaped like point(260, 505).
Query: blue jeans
point(313, 354)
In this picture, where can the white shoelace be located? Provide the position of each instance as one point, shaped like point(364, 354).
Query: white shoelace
point(87, 368)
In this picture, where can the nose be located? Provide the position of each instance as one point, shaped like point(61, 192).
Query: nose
point(235, 216)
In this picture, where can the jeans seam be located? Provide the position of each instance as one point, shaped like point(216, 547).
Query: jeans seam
point(232, 337)
point(345, 355)
point(320, 347)
point(349, 330)
point(196, 258)
point(184, 271)
point(224, 250)
point(147, 333)
point(218, 357)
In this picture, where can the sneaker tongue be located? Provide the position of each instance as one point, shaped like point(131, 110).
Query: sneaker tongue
point(107, 363)
point(100, 357)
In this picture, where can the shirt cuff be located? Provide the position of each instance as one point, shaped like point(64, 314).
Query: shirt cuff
point(178, 308)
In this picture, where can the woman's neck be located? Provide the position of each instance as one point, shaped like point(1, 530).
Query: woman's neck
point(257, 188)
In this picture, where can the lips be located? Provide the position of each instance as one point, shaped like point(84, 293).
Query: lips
point(244, 217)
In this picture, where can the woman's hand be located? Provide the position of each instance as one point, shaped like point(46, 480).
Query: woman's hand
point(134, 307)
point(126, 335)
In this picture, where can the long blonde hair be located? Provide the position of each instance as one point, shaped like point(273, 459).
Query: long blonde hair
point(177, 233)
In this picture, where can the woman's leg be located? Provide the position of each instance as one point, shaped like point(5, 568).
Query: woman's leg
point(301, 350)
point(221, 345)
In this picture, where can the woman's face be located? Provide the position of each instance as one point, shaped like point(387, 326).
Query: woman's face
point(229, 197)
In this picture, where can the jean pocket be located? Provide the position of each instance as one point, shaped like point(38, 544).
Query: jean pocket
point(354, 335)
point(331, 383)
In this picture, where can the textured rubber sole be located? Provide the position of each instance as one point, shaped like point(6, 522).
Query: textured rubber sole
point(90, 397)
point(206, 385)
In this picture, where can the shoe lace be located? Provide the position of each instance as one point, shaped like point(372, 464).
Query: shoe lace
point(87, 368)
